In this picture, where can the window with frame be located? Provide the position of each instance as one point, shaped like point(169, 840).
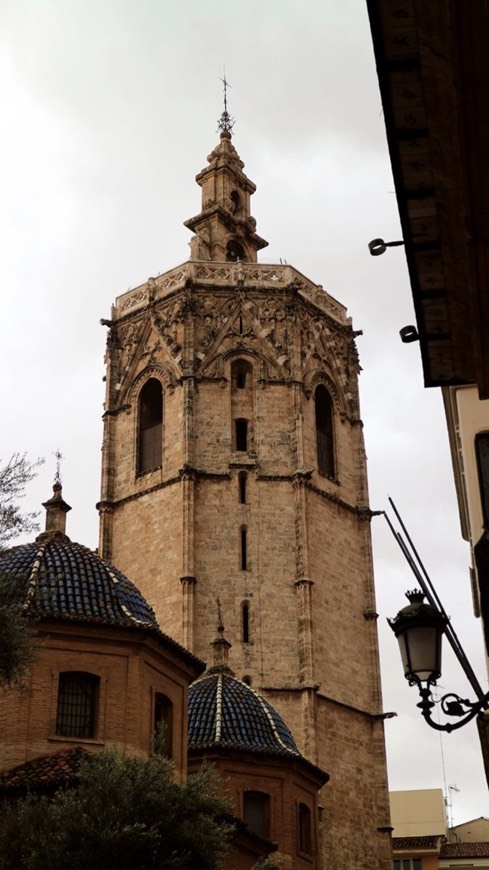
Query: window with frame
point(407, 864)
point(150, 426)
point(163, 724)
point(256, 812)
point(304, 822)
point(324, 432)
point(77, 701)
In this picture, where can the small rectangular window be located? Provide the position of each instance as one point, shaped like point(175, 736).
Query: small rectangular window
point(242, 435)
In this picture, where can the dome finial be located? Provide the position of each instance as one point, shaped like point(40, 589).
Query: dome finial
point(56, 507)
point(221, 647)
point(226, 122)
point(57, 477)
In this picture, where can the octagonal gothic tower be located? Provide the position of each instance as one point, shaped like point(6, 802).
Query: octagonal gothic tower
point(234, 468)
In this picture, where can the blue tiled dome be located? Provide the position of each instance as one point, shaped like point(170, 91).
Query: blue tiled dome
point(54, 577)
point(226, 713)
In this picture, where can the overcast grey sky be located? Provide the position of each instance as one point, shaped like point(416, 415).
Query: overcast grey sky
point(109, 108)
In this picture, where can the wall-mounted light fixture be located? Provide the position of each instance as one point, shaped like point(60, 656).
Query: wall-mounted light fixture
point(378, 246)
point(419, 628)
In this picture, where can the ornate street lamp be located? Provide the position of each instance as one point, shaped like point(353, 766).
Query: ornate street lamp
point(419, 628)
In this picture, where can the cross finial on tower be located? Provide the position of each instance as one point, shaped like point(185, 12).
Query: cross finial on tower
point(226, 122)
point(58, 456)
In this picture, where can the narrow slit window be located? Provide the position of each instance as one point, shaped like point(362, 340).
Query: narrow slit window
point(163, 724)
point(77, 697)
point(150, 434)
point(244, 555)
point(324, 432)
point(242, 435)
point(245, 622)
point(305, 829)
point(242, 487)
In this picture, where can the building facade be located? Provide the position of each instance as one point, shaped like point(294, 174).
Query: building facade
point(234, 468)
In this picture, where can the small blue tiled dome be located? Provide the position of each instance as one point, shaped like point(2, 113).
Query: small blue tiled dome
point(227, 713)
point(56, 578)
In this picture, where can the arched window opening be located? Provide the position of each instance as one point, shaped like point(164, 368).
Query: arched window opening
point(305, 829)
point(324, 432)
point(234, 251)
point(77, 698)
point(236, 201)
point(242, 480)
point(247, 679)
point(256, 812)
point(241, 434)
point(241, 370)
point(150, 426)
point(245, 622)
point(163, 725)
point(244, 555)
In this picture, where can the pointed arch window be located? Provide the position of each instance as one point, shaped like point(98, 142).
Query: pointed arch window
point(150, 435)
point(325, 432)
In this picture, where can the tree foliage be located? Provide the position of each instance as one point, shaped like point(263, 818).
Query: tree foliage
point(16, 647)
point(126, 813)
point(14, 477)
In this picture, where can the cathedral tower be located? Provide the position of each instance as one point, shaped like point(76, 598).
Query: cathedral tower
point(234, 467)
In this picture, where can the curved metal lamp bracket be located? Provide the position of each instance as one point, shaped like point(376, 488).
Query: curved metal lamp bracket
point(451, 704)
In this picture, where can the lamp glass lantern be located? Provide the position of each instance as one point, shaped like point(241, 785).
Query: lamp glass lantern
point(419, 629)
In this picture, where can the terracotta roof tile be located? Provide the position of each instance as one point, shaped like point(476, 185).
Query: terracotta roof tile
point(225, 712)
point(465, 850)
point(406, 843)
point(46, 773)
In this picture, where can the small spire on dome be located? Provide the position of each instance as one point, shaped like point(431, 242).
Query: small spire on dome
point(56, 507)
point(221, 647)
point(225, 123)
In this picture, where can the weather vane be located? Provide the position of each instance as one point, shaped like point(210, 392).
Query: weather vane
point(226, 122)
point(59, 456)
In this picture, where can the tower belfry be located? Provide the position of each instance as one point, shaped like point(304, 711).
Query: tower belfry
point(234, 468)
point(224, 229)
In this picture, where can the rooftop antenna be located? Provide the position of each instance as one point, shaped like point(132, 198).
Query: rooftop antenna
point(57, 477)
point(225, 123)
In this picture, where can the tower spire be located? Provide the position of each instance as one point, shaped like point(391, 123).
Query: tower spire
point(221, 647)
point(225, 123)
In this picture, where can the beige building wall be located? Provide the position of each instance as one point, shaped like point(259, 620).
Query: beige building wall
point(474, 831)
point(467, 416)
point(418, 813)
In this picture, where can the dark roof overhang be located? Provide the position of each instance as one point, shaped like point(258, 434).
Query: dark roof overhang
point(433, 69)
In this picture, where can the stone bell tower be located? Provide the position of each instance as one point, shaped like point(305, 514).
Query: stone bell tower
point(234, 468)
